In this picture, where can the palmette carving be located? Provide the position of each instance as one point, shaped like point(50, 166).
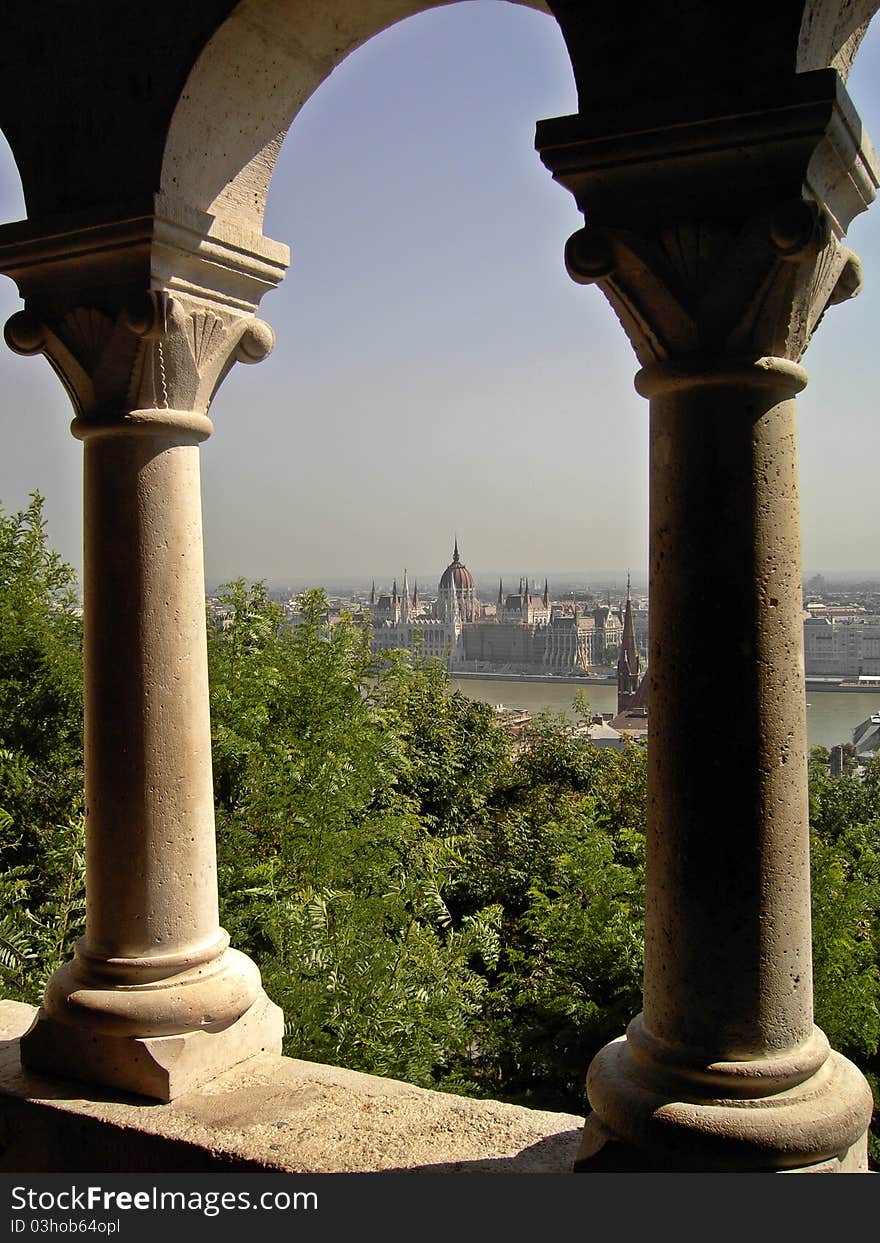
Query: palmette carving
point(711, 289)
point(159, 352)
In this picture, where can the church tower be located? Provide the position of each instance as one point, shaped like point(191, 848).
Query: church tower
point(628, 661)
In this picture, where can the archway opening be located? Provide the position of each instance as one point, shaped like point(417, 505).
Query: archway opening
point(435, 369)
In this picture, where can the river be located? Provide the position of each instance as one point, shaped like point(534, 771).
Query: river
point(831, 715)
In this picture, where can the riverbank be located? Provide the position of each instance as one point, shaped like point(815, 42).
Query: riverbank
point(842, 688)
point(832, 715)
point(586, 681)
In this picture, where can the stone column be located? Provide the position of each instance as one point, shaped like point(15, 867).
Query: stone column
point(719, 245)
point(155, 1001)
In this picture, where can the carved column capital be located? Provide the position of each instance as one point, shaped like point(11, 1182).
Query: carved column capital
point(719, 236)
point(147, 312)
point(159, 352)
point(720, 289)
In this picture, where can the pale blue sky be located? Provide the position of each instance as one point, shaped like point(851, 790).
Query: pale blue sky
point(435, 370)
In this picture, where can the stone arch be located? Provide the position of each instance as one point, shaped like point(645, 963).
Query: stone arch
point(830, 35)
point(11, 189)
point(244, 91)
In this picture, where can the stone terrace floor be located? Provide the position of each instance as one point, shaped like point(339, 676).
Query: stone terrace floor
point(271, 1114)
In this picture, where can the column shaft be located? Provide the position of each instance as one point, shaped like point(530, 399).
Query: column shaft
point(725, 1069)
point(728, 901)
point(154, 1001)
point(150, 812)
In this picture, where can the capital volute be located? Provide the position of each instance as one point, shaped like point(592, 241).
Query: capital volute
point(153, 314)
point(589, 256)
point(255, 343)
point(24, 334)
point(798, 229)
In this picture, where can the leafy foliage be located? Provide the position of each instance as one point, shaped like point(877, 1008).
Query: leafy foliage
point(41, 860)
point(845, 817)
point(568, 875)
point(332, 874)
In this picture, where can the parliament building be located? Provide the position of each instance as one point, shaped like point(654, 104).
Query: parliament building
point(525, 633)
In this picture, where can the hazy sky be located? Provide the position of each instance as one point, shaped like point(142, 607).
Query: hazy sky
point(435, 370)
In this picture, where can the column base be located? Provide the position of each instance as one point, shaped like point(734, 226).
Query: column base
point(601, 1152)
point(817, 1126)
point(161, 1067)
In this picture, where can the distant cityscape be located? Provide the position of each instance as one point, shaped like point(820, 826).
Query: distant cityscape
point(523, 628)
point(573, 631)
point(569, 627)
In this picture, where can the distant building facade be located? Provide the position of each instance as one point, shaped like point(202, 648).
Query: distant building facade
point(843, 647)
point(403, 621)
point(528, 633)
point(558, 639)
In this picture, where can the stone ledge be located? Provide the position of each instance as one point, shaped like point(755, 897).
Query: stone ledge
point(268, 1114)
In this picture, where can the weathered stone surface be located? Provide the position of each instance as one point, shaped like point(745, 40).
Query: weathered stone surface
point(269, 1113)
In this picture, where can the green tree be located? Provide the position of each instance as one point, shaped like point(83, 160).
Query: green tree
point(563, 856)
point(845, 823)
point(332, 872)
point(41, 871)
point(451, 755)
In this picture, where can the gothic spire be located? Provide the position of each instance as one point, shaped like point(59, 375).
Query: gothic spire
point(628, 661)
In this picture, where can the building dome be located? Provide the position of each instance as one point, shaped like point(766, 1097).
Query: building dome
point(456, 574)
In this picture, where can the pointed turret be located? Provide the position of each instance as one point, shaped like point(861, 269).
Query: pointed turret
point(628, 661)
point(373, 595)
point(546, 594)
point(404, 604)
point(415, 602)
point(500, 609)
